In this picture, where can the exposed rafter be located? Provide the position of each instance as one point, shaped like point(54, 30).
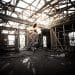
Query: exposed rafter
point(30, 4)
point(67, 19)
point(32, 8)
point(17, 1)
point(21, 21)
point(41, 8)
point(9, 18)
point(58, 11)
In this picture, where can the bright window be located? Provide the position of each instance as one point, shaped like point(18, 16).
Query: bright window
point(72, 38)
point(44, 41)
point(22, 41)
point(11, 40)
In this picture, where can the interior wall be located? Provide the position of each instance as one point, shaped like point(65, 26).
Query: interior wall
point(11, 39)
point(53, 39)
point(60, 38)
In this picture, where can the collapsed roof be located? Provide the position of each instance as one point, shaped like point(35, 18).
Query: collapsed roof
point(46, 13)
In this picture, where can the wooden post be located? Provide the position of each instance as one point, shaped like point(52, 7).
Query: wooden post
point(64, 37)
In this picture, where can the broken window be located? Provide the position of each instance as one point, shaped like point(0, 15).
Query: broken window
point(22, 41)
point(72, 38)
point(11, 39)
point(44, 41)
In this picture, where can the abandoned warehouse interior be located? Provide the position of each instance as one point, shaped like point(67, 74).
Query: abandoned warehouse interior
point(37, 37)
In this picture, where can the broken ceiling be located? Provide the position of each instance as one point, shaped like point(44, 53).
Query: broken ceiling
point(46, 13)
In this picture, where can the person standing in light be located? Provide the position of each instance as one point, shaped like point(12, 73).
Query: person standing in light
point(33, 33)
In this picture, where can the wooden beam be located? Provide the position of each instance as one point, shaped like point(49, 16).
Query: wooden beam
point(42, 8)
point(21, 21)
point(58, 11)
point(9, 18)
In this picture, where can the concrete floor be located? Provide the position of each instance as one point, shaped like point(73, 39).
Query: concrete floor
point(39, 63)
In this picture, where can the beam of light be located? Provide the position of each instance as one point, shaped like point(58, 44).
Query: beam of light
point(31, 29)
point(7, 0)
point(44, 41)
point(26, 60)
point(72, 38)
point(38, 30)
point(5, 31)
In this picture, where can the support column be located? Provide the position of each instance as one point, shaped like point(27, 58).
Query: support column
point(64, 37)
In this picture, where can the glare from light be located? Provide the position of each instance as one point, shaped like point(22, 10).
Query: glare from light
point(38, 30)
point(44, 41)
point(7, 0)
point(26, 60)
point(31, 30)
point(29, 1)
point(72, 38)
point(22, 4)
point(11, 37)
point(47, 0)
point(5, 31)
point(54, 1)
point(22, 41)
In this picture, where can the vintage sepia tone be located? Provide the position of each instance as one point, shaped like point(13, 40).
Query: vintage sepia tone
point(37, 37)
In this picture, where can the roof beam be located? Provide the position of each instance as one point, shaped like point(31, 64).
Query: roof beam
point(60, 10)
point(17, 1)
point(42, 7)
point(21, 21)
point(66, 20)
point(9, 18)
point(10, 28)
point(29, 4)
